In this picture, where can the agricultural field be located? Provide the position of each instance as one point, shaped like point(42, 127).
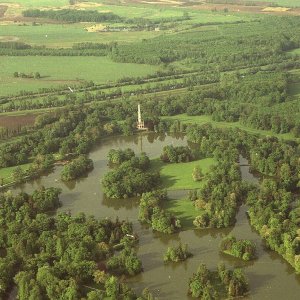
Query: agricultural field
point(56, 70)
point(65, 35)
point(17, 121)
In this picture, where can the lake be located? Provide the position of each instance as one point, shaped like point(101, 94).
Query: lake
point(270, 277)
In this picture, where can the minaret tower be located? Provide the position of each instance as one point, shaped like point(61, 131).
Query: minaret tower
point(140, 122)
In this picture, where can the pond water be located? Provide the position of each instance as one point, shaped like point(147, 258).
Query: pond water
point(270, 277)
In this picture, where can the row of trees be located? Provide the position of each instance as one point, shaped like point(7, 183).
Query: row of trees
point(176, 154)
point(36, 75)
point(73, 15)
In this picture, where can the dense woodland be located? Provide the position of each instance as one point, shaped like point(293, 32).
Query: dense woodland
point(54, 257)
point(131, 175)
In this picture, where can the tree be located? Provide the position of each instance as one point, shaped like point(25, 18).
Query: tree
point(197, 173)
point(99, 276)
point(18, 174)
point(112, 287)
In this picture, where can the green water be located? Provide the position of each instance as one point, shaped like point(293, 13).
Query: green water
point(270, 277)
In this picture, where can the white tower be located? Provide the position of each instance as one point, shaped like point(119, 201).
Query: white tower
point(140, 122)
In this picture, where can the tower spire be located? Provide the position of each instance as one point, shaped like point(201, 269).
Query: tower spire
point(140, 122)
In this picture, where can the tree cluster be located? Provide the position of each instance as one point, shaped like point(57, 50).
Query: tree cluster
point(206, 284)
point(132, 177)
point(52, 257)
point(150, 212)
point(273, 215)
point(243, 249)
point(176, 154)
point(176, 254)
point(77, 168)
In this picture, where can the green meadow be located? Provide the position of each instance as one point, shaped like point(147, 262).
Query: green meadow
point(200, 120)
point(57, 70)
point(184, 210)
point(178, 176)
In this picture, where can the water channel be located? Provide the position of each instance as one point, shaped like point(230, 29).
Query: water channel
point(270, 277)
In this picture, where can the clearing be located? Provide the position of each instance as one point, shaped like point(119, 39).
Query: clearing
point(178, 176)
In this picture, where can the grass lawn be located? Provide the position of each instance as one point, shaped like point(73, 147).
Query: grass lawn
point(178, 176)
point(295, 51)
point(184, 210)
point(184, 118)
point(57, 70)
point(5, 173)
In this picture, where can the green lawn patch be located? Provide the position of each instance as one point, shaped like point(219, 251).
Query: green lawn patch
point(178, 176)
point(184, 210)
point(5, 173)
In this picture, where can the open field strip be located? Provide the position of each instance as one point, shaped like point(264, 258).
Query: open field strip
point(204, 119)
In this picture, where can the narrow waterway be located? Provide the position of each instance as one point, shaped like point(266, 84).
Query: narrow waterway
point(270, 277)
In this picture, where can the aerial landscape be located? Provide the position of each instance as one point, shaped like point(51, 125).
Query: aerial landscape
point(149, 149)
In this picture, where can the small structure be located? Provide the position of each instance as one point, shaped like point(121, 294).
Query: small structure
point(140, 123)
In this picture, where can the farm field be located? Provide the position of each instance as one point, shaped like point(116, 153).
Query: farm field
point(56, 70)
point(65, 35)
point(16, 121)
